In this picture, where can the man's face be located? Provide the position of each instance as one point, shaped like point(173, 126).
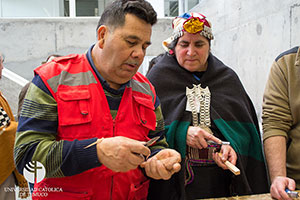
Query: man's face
point(124, 49)
point(1, 65)
point(192, 51)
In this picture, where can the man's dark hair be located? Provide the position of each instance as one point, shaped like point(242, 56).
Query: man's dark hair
point(114, 14)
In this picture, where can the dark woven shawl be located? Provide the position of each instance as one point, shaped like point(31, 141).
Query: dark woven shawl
point(232, 112)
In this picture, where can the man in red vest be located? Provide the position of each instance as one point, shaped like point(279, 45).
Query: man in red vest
point(86, 118)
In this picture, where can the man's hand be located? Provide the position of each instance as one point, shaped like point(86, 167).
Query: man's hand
point(121, 154)
point(275, 151)
point(196, 137)
point(279, 184)
point(228, 153)
point(163, 165)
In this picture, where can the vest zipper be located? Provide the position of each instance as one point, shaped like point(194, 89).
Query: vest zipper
point(112, 178)
point(114, 124)
point(111, 189)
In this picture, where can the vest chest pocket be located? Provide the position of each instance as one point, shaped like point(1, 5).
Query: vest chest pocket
point(145, 112)
point(73, 107)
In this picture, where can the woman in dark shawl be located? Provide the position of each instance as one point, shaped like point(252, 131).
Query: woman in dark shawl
point(202, 96)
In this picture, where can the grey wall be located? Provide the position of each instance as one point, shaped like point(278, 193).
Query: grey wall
point(248, 37)
point(10, 91)
point(26, 42)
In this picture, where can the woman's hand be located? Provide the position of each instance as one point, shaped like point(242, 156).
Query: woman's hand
point(197, 137)
point(227, 153)
point(162, 165)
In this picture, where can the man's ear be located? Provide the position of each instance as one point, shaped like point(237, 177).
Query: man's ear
point(102, 32)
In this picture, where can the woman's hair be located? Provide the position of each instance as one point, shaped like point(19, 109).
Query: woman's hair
point(173, 44)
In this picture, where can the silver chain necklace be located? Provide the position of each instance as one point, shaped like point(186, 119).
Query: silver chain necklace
point(202, 96)
point(199, 102)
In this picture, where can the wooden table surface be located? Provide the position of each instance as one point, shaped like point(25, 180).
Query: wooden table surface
point(250, 197)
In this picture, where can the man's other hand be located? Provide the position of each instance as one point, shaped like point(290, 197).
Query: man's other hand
point(163, 165)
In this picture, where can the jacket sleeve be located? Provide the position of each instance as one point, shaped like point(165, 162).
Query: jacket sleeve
point(36, 137)
point(159, 130)
point(276, 115)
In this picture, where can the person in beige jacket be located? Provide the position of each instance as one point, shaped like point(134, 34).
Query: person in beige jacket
point(9, 176)
point(281, 123)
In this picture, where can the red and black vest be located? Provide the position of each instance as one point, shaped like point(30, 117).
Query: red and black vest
point(83, 113)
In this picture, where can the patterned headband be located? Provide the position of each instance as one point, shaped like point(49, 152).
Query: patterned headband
point(191, 23)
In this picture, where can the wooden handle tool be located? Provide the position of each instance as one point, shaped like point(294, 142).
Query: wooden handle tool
point(236, 171)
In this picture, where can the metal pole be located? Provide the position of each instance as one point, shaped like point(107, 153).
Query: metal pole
point(72, 8)
point(180, 7)
point(186, 5)
point(1, 9)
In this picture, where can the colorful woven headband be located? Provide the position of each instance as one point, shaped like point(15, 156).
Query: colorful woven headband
point(191, 23)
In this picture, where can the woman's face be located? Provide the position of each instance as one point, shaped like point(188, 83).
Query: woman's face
point(192, 51)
